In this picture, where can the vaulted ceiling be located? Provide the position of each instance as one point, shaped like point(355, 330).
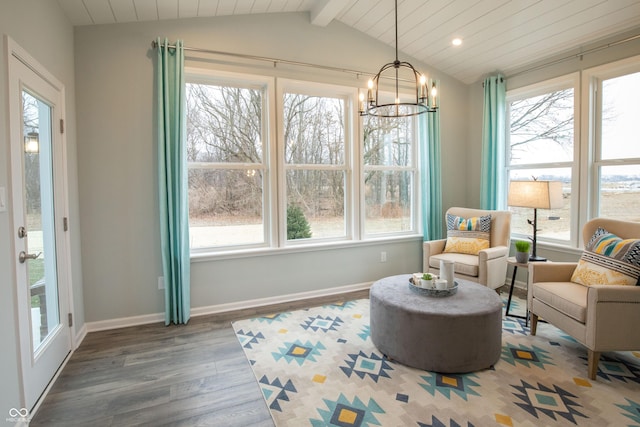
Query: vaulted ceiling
point(502, 35)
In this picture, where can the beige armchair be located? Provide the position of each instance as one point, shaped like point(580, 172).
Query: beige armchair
point(489, 267)
point(600, 317)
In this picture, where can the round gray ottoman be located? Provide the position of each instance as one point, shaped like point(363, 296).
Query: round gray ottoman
point(455, 334)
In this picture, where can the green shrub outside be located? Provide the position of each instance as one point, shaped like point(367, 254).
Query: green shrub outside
point(297, 224)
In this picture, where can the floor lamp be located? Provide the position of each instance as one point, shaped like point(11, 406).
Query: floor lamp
point(536, 195)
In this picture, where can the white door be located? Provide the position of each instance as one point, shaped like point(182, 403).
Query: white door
point(39, 210)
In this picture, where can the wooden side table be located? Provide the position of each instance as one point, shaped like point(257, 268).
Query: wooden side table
point(512, 261)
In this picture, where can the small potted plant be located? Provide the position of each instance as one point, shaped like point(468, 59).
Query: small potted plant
point(427, 281)
point(522, 251)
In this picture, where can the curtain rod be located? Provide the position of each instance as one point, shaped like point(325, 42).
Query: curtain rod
point(275, 61)
point(577, 55)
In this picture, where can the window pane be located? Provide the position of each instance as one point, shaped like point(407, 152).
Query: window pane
point(552, 223)
point(225, 207)
point(387, 142)
point(541, 129)
point(319, 195)
point(388, 201)
point(223, 124)
point(620, 113)
point(313, 129)
point(620, 192)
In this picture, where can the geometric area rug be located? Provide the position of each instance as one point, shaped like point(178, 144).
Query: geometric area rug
point(318, 367)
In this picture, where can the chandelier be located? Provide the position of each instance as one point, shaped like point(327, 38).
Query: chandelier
point(425, 100)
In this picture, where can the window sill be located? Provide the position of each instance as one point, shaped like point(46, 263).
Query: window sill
point(313, 247)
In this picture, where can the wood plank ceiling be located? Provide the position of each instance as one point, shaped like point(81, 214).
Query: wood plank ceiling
point(503, 35)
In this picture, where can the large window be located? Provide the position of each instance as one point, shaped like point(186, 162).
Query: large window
point(288, 167)
point(390, 170)
point(228, 163)
point(617, 154)
point(599, 167)
point(541, 145)
point(315, 163)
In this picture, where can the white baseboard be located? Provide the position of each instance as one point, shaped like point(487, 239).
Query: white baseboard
point(260, 302)
point(124, 322)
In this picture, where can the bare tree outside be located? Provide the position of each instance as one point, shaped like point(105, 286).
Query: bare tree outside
point(228, 168)
point(544, 118)
point(389, 174)
point(541, 139)
point(224, 154)
point(314, 138)
point(542, 146)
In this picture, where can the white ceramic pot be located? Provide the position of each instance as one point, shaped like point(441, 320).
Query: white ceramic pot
point(446, 271)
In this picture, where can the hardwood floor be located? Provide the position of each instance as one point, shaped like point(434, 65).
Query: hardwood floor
point(187, 375)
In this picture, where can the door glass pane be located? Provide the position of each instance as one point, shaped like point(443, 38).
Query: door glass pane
point(39, 221)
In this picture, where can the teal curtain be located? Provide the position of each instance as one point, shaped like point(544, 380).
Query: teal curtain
point(430, 175)
point(172, 174)
point(493, 172)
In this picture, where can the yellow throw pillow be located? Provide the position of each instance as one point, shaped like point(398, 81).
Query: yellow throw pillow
point(468, 235)
point(609, 260)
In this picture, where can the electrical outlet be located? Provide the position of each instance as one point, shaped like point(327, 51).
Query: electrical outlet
point(161, 282)
point(383, 256)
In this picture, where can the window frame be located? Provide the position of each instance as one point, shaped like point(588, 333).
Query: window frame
point(592, 88)
point(587, 141)
point(275, 168)
point(268, 165)
point(348, 95)
point(413, 169)
point(556, 84)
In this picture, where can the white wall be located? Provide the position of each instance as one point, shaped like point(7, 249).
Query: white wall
point(41, 29)
point(117, 160)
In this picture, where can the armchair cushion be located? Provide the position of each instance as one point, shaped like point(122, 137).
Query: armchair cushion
point(566, 297)
point(609, 260)
point(463, 263)
point(467, 235)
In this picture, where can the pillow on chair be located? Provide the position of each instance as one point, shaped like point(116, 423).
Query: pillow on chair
point(468, 236)
point(609, 260)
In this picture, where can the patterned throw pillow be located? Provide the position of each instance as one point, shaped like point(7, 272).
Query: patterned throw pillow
point(609, 260)
point(468, 236)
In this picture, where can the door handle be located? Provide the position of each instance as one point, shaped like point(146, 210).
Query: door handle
point(22, 257)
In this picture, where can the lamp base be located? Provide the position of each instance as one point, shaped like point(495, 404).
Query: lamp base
point(537, 259)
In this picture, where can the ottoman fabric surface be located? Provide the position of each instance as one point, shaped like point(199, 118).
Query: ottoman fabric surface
point(455, 334)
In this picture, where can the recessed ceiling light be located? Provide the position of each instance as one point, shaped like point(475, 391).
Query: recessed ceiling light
point(456, 42)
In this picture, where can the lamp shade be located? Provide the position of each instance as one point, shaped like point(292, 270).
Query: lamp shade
point(535, 194)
